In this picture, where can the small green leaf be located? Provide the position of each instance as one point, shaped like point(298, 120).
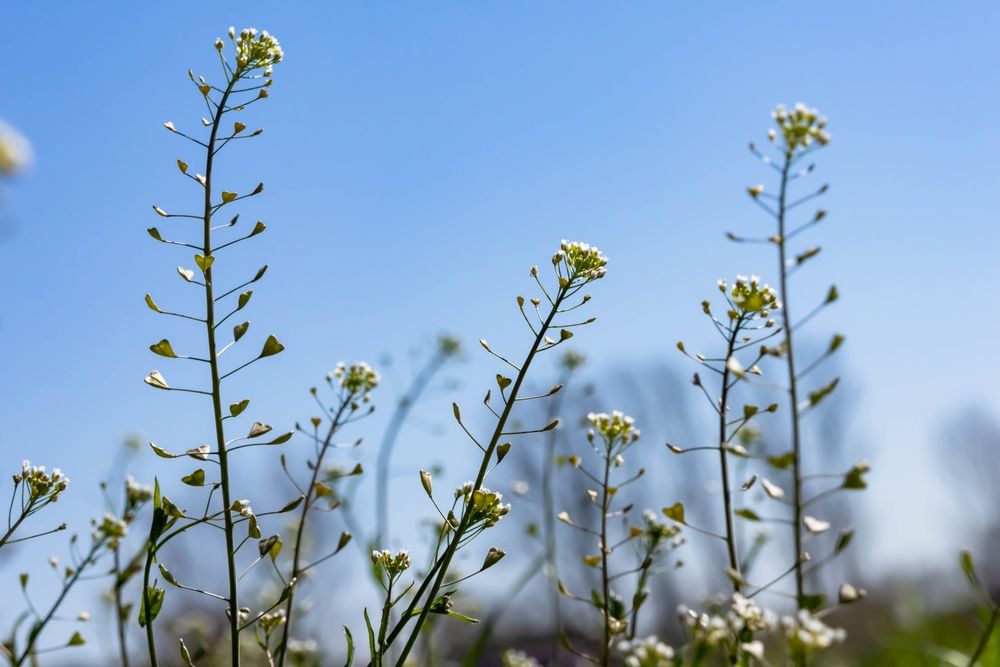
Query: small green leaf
point(258, 228)
point(265, 545)
point(371, 639)
point(154, 598)
point(749, 411)
point(152, 304)
point(252, 529)
point(162, 453)
point(167, 576)
point(260, 273)
point(155, 233)
point(291, 505)
point(835, 343)
point(747, 513)
point(24, 579)
point(239, 330)
point(243, 299)
point(811, 602)
point(968, 567)
point(843, 540)
point(350, 647)
point(196, 478)
point(228, 196)
point(345, 538)
point(236, 409)
point(204, 263)
point(271, 347)
point(183, 166)
point(163, 348)
point(282, 439)
point(76, 640)
point(502, 451)
point(832, 295)
point(782, 461)
point(504, 382)
point(675, 512)
point(458, 413)
point(816, 396)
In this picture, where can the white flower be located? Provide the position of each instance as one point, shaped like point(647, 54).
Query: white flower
point(616, 426)
point(648, 652)
point(514, 658)
point(582, 261)
point(806, 633)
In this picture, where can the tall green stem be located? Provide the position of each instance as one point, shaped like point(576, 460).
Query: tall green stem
point(793, 392)
point(463, 525)
point(301, 528)
point(605, 574)
point(213, 359)
point(727, 500)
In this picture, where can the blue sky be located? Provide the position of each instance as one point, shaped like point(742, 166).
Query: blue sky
point(419, 157)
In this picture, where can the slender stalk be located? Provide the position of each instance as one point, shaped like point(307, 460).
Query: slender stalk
point(120, 618)
point(453, 545)
point(793, 391)
point(727, 500)
point(213, 360)
point(37, 628)
point(147, 604)
point(605, 576)
point(12, 529)
point(985, 638)
point(301, 528)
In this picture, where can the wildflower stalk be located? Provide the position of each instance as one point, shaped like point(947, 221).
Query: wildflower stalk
point(793, 387)
point(605, 571)
point(581, 264)
point(984, 639)
point(727, 499)
point(120, 614)
point(253, 53)
point(441, 568)
point(347, 406)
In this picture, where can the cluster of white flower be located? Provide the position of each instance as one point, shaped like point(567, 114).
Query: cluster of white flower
point(745, 614)
point(661, 530)
point(487, 507)
point(799, 127)
point(268, 622)
point(358, 378)
point(750, 296)
point(515, 658)
point(617, 426)
point(708, 630)
point(394, 564)
point(807, 633)
point(15, 150)
point(110, 528)
point(41, 485)
point(253, 50)
point(648, 652)
point(582, 261)
point(137, 493)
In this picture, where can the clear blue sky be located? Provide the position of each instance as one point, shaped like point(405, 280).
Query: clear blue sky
point(420, 156)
